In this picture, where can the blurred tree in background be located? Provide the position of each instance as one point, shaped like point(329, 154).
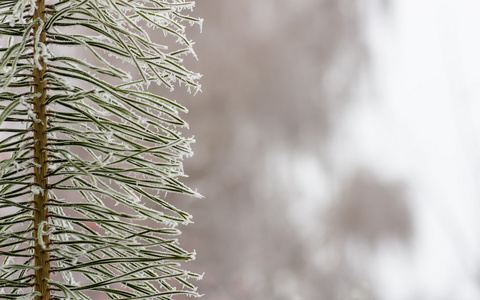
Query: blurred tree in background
point(279, 222)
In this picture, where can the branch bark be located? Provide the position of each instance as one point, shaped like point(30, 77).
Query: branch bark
point(42, 256)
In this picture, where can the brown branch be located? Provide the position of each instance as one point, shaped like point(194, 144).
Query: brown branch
point(42, 257)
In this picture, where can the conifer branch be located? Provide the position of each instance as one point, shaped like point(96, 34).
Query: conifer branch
point(41, 254)
point(92, 150)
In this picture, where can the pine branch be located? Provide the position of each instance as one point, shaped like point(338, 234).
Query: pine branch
point(40, 222)
point(91, 149)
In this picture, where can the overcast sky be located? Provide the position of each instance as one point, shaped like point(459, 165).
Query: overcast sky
point(418, 120)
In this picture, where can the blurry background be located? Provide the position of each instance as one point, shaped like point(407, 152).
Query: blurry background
point(338, 150)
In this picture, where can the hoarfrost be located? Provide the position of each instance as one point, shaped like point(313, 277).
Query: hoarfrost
point(19, 12)
point(42, 232)
point(30, 296)
point(36, 190)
